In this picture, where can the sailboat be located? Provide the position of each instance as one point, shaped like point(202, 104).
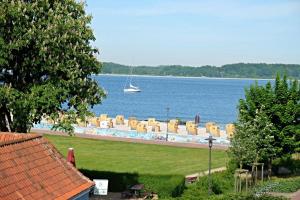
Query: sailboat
point(131, 88)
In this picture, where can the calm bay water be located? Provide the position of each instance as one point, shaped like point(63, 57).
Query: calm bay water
point(213, 99)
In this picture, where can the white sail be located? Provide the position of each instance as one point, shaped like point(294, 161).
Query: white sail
point(131, 88)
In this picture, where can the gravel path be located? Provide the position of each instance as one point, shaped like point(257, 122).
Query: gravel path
point(220, 169)
point(292, 196)
point(295, 195)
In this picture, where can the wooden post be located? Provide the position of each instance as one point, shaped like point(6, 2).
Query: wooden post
point(246, 181)
point(240, 184)
point(235, 183)
point(255, 174)
point(262, 172)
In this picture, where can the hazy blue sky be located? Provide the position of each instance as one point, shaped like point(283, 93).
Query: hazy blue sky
point(195, 32)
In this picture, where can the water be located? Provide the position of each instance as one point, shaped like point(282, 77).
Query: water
point(213, 99)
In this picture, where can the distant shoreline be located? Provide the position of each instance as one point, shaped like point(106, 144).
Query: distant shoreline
point(187, 77)
point(251, 71)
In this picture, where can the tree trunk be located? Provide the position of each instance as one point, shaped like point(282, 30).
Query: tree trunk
point(3, 127)
point(5, 120)
point(7, 123)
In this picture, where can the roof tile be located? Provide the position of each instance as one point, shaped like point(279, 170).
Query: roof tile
point(12, 196)
point(32, 168)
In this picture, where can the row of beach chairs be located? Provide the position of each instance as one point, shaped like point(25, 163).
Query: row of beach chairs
point(104, 121)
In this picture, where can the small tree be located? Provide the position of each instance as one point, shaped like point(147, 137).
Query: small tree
point(253, 140)
point(46, 62)
point(268, 122)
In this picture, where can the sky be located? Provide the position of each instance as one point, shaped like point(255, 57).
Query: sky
point(196, 32)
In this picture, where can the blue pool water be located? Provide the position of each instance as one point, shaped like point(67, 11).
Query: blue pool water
point(213, 99)
point(162, 136)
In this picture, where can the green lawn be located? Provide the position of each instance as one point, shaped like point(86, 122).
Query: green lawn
point(127, 157)
point(160, 168)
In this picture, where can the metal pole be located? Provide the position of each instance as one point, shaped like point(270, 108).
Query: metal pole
point(210, 143)
point(209, 167)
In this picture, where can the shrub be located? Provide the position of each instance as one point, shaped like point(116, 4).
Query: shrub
point(279, 185)
point(288, 162)
point(221, 183)
point(222, 189)
point(245, 196)
point(164, 185)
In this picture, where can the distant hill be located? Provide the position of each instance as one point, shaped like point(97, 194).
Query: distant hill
point(238, 70)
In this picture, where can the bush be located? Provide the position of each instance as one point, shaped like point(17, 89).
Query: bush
point(245, 196)
point(279, 185)
point(231, 166)
point(221, 183)
point(164, 185)
point(231, 196)
point(222, 189)
point(288, 162)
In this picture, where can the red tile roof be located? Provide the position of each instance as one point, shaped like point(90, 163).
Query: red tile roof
point(32, 168)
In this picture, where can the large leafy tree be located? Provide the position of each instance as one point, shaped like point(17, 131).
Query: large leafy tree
point(268, 122)
point(46, 63)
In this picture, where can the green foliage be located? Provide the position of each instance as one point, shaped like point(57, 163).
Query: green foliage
point(285, 185)
point(245, 196)
point(46, 62)
point(163, 185)
point(222, 183)
point(222, 189)
point(239, 70)
point(289, 163)
point(253, 140)
point(268, 122)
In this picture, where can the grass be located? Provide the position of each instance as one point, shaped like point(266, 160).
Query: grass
point(127, 157)
point(161, 168)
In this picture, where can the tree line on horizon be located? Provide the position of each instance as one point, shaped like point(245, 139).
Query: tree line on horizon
point(238, 70)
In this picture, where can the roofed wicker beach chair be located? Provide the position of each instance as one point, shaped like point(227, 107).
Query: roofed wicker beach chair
point(120, 120)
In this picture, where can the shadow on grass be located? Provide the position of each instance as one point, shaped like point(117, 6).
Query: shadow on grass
point(164, 185)
point(117, 181)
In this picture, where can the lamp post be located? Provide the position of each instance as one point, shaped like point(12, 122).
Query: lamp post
point(210, 143)
point(168, 109)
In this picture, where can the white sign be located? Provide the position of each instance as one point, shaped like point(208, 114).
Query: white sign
point(101, 186)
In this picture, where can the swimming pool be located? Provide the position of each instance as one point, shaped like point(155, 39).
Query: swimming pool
point(135, 135)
